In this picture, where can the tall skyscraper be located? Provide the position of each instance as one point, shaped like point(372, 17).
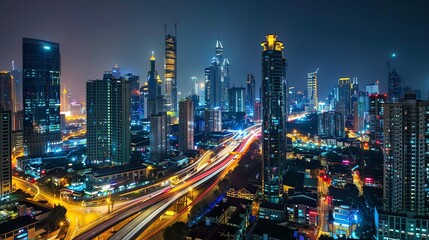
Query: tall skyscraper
point(6, 84)
point(41, 96)
point(360, 109)
point(17, 88)
point(136, 109)
point(344, 96)
point(273, 123)
point(236, 99)
point(65, 101)
point(159, 140)
point(144, 92)
point(257, 111)
point(5, 154)
point(395, 88)
point(194, 81)
point(406, 159)
point(218, 80)
point(312, 90)
point(213, 120)
point(376, 117)
point(250, 96)
point(170, 67)
point(372, 88)
point(108, 120)
point(154, 98)
point(330, 124)
point(186, 124)
point(116, 71)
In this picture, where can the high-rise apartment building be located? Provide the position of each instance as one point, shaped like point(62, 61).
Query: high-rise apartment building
point(6, 84)
point(155, 100)
point(250, 95)
point(360, 109)
point(5, 154)
point(218, 80)
point(108, 120)
point(395, 90)
point(406, 158)
point(312, 95)
point(376, 117)
point(135, 109)
point(41, 96)
point(170, 70)
point(159, 136)
point(372, 88)
point(273, 122)
point(186, 124)
point(16, 88)
point(236, 99)
point(344, 96)
point(213, 120)
point(330, 124)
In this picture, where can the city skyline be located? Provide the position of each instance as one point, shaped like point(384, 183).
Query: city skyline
point(365, 36)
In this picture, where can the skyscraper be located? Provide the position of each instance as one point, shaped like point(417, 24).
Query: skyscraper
point(194, 85)
point(344, 96)
point(159, 140)
point(218, 80)
point(372, 88)
point(41, 96)
point(136, 109)
point(360, 109)
point(144, 92)
point(186, 124)
point(406, 159)
point(250, 96)
point(330, 124)
point(312, 90)
point(6, 82)
point(236, 99)
point(17, 88)
point(116, 71)
point(154, 98)
point(170, 67)
point(273, 113)
point(108, 120)
point(213, 120)
point(394, 81)
point(376, 117)
point(5, 154)
point(65, 103)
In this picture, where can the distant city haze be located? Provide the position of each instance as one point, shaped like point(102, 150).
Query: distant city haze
point(341, 38)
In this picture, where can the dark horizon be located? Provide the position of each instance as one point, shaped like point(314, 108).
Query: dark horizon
point(342, 39)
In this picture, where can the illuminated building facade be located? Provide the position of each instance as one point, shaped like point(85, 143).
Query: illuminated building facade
point(41, 96)
point(16, 88)
point(218, 80)
point(330, 124)
point(186, 124)
point(5, 154)
point(6, 81)
point(108, 120)
point(159, 139)
point(144, 92)
point(344, 103)
point(170, 70)
point(312, 90)
point(273, 114)
point(213, 120)
point(360, 111)
point(154, 98)
point(406, 158)
point(135, 110)
point(65, 103)
point(372, 88)
point(376, 117)
point(236, 99)
point(250, 95)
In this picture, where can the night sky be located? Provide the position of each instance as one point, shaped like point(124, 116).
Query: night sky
point(342, 38)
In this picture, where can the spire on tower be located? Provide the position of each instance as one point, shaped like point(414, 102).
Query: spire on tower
point(152, 58)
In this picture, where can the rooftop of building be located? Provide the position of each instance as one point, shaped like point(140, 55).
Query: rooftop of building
point(17, 223)
point(270, 205)
point(273, 230)
point(303, 199)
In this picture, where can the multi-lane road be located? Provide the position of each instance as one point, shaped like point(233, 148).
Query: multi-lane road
point(192, 176)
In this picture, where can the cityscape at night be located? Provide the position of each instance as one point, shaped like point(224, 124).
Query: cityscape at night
point(214, 120)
